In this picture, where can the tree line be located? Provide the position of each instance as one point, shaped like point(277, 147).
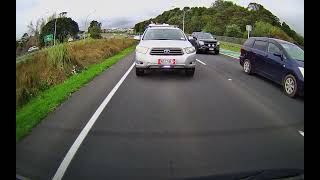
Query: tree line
point(224, 18)
point(65, 28)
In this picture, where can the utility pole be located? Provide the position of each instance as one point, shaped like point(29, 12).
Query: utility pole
point(86, 24)
point(55, 27)
point(184, 13)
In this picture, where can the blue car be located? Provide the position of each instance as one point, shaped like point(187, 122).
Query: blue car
point(277, 60)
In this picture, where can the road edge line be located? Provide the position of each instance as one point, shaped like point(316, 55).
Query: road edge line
point(75, 146)
point(229, 55)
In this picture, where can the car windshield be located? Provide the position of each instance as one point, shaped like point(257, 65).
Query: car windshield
point(204, 36)
point(164, 34)
point(294, 51)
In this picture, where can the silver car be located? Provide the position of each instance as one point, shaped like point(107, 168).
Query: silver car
point(164, 47)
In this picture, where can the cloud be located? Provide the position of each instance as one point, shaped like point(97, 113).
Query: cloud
point(129, 12)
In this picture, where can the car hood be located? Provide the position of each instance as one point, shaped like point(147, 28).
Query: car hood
point(259, 174)
point(208, 40)
point(165, 43)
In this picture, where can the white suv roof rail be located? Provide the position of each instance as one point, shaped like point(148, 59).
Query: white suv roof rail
point(161, 25)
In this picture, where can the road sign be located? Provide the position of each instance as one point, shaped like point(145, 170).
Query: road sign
point(248, 27)
point(48, 38)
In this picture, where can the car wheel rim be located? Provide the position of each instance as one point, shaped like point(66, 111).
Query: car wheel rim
point(246, 66)
point(289, 85)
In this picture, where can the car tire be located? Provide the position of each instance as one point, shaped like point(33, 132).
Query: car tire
point(247, 66)
point(139, 72)
point(190, 72)
point(289, 84)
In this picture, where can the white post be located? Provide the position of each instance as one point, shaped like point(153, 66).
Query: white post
point(55, 29)
point(248, 34)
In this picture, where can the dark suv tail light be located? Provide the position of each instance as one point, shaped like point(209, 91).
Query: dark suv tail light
point(241, 50)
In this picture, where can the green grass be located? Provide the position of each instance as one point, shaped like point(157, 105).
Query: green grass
point(38, 108)
point(230, 46)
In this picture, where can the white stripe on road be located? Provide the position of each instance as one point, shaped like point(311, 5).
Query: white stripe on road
point(302, 133)
point(201, 62)
point(75, 146)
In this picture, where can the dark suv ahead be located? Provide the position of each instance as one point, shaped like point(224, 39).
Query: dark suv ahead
point(205, 42)
point(277, 60)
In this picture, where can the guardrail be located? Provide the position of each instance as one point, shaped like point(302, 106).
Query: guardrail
point(231, 39)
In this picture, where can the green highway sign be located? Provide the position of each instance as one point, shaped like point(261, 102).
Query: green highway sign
point(48, 38)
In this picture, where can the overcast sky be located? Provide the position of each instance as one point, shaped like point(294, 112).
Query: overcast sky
point(125, 13)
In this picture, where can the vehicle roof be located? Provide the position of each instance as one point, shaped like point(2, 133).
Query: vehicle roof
point(274, 39)
point(201, 32)
point(163, 27)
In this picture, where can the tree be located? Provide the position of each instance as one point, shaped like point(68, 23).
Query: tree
point(261, 29)
point(95, 30)
point(296, 37)
point(220, 14)
point(233, 30)
point(215, 26)
point(265, 29)
point(65, 27)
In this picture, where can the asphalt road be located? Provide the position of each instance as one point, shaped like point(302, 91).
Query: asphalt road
point(166, 125)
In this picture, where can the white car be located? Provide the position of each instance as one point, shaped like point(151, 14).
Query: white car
point(33, 48)
point(164, 47)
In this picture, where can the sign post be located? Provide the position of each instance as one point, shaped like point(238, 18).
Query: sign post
point(248, 28)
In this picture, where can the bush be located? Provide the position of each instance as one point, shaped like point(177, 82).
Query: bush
point(267, 30)
point(261, 29)
point(279, 34)
point(51, 66)
point(233, 30)
point(58, 56)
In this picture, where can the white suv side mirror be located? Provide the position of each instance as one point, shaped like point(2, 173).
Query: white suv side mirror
point(137, 37)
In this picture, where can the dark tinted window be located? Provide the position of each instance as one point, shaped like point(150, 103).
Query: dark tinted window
point(204, 36)
point(164, 34)
point(272, 48)
point(260, 45)
point(248, 42)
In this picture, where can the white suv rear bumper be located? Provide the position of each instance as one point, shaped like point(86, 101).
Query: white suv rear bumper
point(151, 61)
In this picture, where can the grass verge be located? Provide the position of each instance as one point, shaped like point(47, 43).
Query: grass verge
point(38, 108)
point(230, 46)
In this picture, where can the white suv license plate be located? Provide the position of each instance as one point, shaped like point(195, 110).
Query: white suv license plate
point(210, 49)
point(165, 61)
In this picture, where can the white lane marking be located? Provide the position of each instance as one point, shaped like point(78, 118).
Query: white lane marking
point(302, 133)
point(75, 146)
point(201, 62)
point(230, 79)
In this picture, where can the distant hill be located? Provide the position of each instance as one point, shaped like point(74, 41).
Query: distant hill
point(228, 19)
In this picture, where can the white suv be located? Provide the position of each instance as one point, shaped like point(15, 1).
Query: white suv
point(164, 47)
